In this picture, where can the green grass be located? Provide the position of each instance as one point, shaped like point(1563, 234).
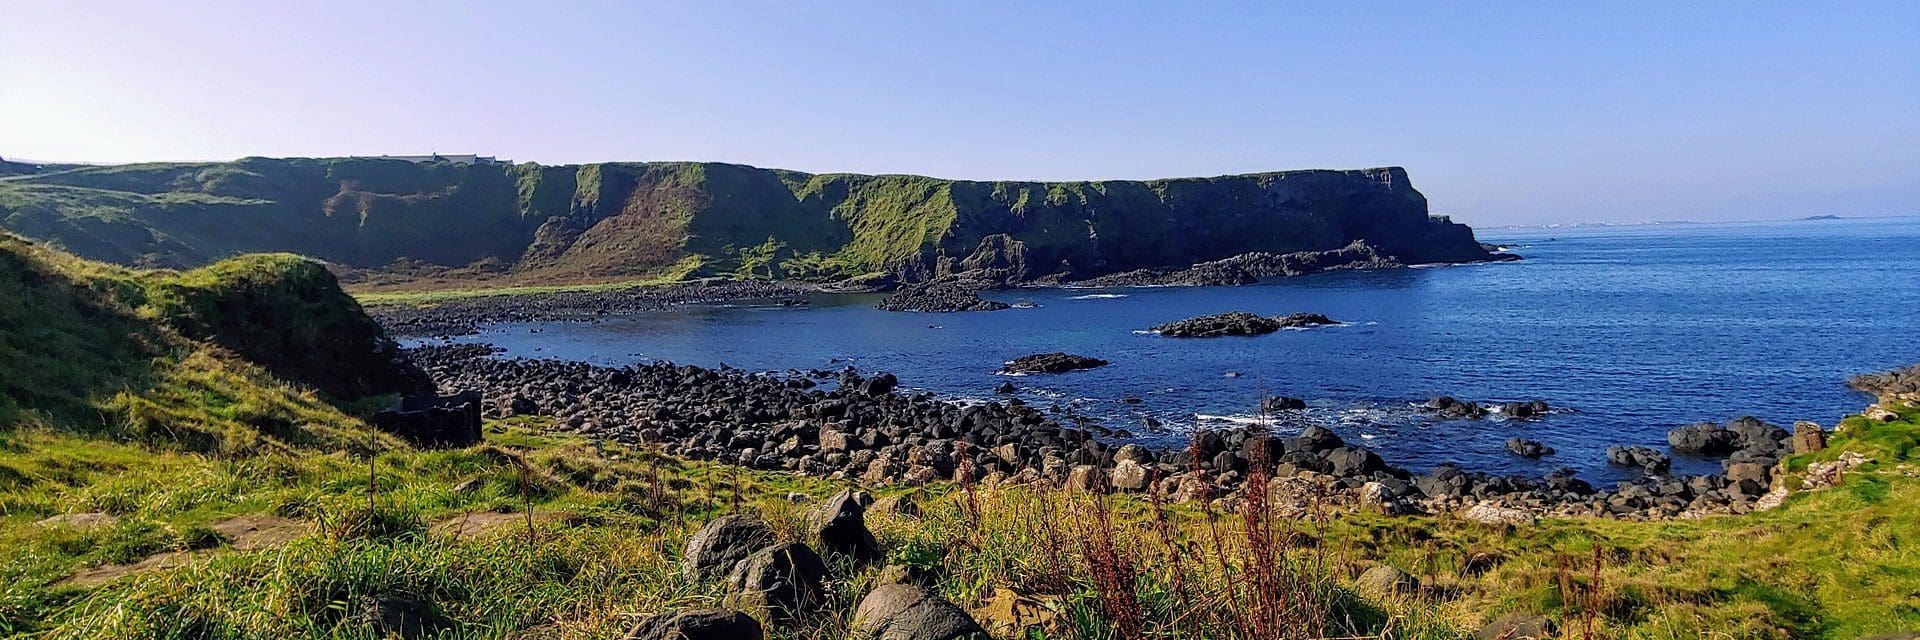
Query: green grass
point(376, 298)
point(610, 521)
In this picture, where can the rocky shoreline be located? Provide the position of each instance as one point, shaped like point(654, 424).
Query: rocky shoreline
point(465, 316)
point(843, 424)
point(944, 292)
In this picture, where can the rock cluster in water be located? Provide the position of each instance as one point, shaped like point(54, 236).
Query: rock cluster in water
point(1051, 363)
point(1450, 407)
point(1239, 323)
point(865, 428)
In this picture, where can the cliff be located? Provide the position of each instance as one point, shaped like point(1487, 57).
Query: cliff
point(624, 220)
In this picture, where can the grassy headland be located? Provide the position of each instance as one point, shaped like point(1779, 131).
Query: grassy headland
point(195, 493)
point(402, 226)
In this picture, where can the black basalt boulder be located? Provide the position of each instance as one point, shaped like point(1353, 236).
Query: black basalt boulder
point(1528, 448)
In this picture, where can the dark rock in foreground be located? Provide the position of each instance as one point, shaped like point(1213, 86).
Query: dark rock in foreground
point(713, 551)
point(704, 624)
point(1051, 363)
point(945, 296)
point(786, 581)
point(1238, 323)
point(841, 527)
point(434, 421)
point(908, 612)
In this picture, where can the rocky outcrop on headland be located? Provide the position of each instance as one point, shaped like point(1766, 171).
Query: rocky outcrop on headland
point(944, 296)
point(1890, 386)
point(1239, 323)
point(1248, 268)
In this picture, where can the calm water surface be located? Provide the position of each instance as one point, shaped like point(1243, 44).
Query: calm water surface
point(1631, 330)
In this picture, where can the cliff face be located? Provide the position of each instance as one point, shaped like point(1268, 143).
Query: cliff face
point(620, 220)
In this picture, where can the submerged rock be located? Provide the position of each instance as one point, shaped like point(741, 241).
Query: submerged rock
point(1528, 448)
point(1051, 363)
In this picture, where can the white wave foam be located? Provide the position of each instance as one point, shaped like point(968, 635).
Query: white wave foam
point(1238, 419)
point(1098, 296)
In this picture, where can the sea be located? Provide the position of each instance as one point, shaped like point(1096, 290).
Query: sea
point(1625, 331)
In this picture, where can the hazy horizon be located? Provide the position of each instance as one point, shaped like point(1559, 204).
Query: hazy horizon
point(1503, 114)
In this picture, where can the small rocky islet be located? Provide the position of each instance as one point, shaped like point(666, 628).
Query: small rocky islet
point(1239, 323)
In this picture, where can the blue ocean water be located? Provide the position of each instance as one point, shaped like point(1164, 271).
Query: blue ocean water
point(1626, 331)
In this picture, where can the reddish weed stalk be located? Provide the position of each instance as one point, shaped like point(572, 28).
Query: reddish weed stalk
point(1114, 573)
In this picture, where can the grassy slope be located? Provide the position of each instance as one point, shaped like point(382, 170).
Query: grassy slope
point(118, 414)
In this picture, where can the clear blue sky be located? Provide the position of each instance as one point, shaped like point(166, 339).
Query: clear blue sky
point(1505, 113)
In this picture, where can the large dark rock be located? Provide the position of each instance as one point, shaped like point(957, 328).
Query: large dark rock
point(434, 421)
point(1704, 439)
point(1277, 404)
point(1349, 462)
point(1450, 407)
point(1646, 459)
point(881, 384)
point(713, 551)
point(1808, 437)
point(1238, 323)
point(786, 581)
point(698, 624)
point(1517, 626)
point(1051, 363)
point(908, 612)
point(840, 524)
point(1315, 439)
point(1528, 448)
point(1746, 437)
point(1386, 580)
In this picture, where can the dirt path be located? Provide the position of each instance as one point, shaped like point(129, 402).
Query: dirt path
point(242, 533)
